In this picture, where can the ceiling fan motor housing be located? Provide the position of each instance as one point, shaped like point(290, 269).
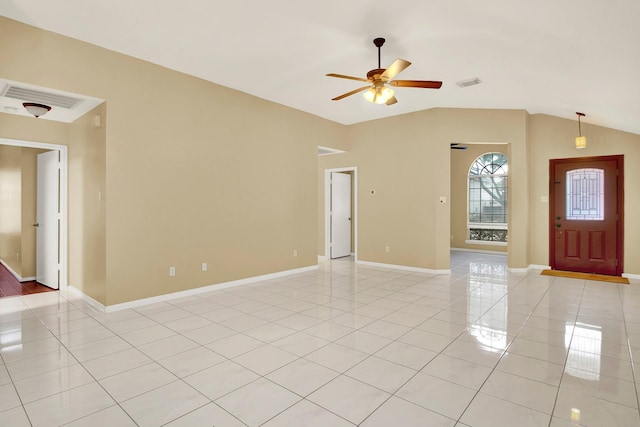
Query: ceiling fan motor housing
point(371, 74)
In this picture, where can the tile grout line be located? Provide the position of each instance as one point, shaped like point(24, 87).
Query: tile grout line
point(493, 369)
point(628, 342)
point(564, 366)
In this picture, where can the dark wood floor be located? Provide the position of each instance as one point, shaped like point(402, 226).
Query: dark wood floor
point(9, 285)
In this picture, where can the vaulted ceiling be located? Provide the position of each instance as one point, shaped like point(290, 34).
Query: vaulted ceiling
point(546, 56)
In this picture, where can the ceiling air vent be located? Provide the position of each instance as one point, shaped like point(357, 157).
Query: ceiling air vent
point(40, 97)
point(469, 82)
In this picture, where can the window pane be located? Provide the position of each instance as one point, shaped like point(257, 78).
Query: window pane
point(488, 185)
point(585, 194)
point(488, 235)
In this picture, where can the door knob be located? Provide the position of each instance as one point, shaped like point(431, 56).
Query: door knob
point(37, 224)
point(558, 225)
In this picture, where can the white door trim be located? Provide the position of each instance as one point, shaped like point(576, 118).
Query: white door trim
point(327, 209)
point(63, 197)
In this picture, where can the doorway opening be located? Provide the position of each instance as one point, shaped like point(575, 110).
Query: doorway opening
point(478, 200)
point(56, 255)
point(340, 227)
point(586, 214)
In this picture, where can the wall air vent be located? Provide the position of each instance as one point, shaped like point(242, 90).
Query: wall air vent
point(469, 82)
point(323, 151)
point(40, 97)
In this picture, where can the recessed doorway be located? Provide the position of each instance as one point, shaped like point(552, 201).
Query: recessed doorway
point(56, 255)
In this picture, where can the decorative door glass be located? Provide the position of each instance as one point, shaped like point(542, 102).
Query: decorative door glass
point(585, 194)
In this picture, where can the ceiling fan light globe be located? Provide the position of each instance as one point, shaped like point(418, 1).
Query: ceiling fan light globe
point(387, 93)
point(369, 94)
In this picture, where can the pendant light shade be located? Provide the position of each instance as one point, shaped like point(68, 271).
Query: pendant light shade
point(35, 109)
point(581, 141)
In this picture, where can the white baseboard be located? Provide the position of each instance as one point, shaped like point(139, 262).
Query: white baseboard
point(188, 292)
point(517, 270)
point(403, 267)
point(631, 276)
point(86, 298)
point(480, 251)
point(538, 267)
point(12, 271)
point(321, 258)
point(28, 279)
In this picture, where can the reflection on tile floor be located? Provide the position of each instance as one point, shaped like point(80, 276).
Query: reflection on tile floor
point(341, 346)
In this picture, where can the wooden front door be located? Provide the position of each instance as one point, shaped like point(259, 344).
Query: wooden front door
point(586, 214)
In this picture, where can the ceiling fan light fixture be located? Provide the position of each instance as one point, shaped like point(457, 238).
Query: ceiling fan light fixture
point(378, 94)
point(581, 141)
point(379, 79)
point(36, 109)
point(369, 94)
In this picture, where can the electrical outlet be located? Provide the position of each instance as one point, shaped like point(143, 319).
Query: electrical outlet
point(295, 252)
point(204, 266)
point(172, 271)
point(386, 249)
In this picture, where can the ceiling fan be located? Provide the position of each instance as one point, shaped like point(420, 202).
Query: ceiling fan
point(458, 146)
point(379, 79)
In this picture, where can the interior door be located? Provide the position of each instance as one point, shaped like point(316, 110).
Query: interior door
point(340, 214)
point(586, 215)
point(48, 196)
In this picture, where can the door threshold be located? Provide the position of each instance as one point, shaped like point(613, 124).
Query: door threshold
point(586, 276)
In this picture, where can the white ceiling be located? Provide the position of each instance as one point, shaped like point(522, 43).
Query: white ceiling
point(548, 56)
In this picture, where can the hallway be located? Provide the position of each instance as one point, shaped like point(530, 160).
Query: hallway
point(9, 285)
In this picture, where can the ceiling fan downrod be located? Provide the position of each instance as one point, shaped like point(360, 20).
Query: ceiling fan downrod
point(379, 42)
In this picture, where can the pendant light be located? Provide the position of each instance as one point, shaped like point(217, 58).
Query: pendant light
point(581, 141)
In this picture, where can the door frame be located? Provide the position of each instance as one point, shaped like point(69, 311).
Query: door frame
point(327, 209)
point(62, 238)
point(619, 159)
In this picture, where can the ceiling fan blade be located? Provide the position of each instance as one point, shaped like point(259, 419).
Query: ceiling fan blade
point(416, 83)
point(392, 100)
point(353, 92)
point(394, 69)
point(342, 76)
point(457, 146)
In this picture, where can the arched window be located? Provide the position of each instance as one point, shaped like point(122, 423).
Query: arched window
point(487, 215)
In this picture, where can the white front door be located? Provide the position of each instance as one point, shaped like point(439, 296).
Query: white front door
point(340, 214)
point(47, 219)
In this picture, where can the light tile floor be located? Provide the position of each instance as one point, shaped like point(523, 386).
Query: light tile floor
point(341, 346)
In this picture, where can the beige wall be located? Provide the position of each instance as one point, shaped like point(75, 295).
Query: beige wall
point(553, 138)
point(406, 159)
point(11, 207)
point(195, 172)
point(461, 161)
point(208, 174)
point(87, 205)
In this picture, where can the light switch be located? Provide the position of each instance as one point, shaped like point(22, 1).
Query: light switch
point(443, 199)
point(544, 199)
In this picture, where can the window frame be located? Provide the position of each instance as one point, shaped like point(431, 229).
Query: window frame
point(485, 225)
